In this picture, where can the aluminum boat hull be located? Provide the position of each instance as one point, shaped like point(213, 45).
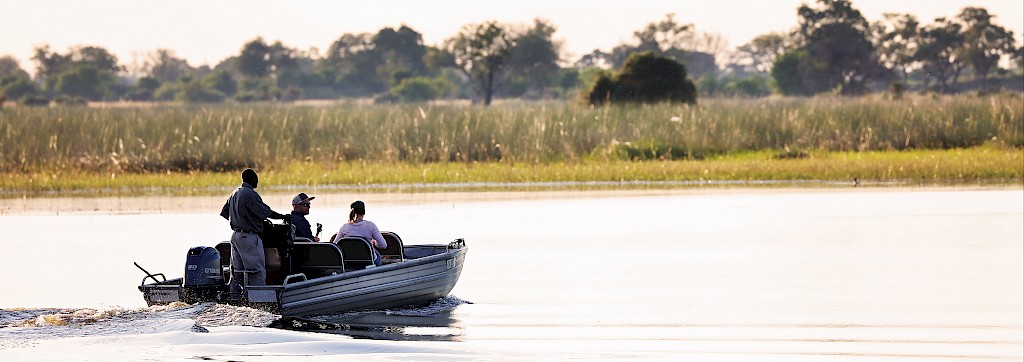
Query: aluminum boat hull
point(425, 273)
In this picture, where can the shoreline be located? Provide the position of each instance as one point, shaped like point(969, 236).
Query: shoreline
point(277, 199)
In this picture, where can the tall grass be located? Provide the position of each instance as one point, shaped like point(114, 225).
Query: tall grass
point(228, 137)
point(973, 166)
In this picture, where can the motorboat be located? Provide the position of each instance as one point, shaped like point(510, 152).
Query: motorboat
point(305, 277)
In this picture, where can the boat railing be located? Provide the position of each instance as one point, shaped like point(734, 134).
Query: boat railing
point(288, 279)
point(151, 276)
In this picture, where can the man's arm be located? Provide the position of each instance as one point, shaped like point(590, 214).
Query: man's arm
point(264, 211)
point(277, 216)
point(224, 210)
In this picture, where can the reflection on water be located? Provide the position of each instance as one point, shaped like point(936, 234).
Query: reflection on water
point(380, 326)
point(433, 322)
point(772, 275)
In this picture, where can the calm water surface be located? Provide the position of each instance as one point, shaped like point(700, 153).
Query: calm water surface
point(754, 275)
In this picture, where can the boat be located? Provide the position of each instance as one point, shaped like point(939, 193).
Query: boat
point(305, 277)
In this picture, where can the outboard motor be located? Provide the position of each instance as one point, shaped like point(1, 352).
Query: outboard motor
point(203, 277)
point(202, 267)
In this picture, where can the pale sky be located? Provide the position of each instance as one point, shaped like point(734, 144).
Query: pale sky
point(208, 31)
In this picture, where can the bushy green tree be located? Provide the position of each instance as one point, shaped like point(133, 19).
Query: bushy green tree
point(836, 36)
point(753, 86)
point(89, 72)
point(254, 59)
point(708, 85)
point(939, 52)
point(222, 82)
point(256, 89)
point(285, 67)
point(400, 54)
point(267, 72)
point(368, 64)
point(86, 81)
point(896, 40)
point(144, 89)
point(194, 90)
point(350, 67)
point(482, 51)
point(14, 81)
point(167, 91)
point(164, 66)
point(422, 89)
point(534, 58)
point(9, 68)
point(17, 87)
point(789, 73)
point(985, 42)
point(645, 77)
point(760, 54)
point(568, 82)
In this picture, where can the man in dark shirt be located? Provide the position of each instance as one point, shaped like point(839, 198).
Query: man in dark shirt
point(245, 211)
point(300, 208)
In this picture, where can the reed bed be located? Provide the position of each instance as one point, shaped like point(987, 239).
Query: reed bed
point(413, 141)
point(226, 137)
point(975, 166)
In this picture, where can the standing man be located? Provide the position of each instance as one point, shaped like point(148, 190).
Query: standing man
point(245, 210)
point(300, 208)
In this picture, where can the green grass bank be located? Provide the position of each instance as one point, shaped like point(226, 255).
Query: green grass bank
point(974, 166)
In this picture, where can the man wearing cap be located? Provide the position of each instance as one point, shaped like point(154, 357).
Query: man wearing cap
point(245, 211)
point(300, 208)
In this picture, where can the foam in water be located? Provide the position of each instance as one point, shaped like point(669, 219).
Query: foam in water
point(179, 331)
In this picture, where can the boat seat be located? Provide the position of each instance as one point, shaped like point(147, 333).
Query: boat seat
point(317, 259)
point(356, 252)
point(224, 248)
point(395, 250)
point(273, 262)
point(277, 235)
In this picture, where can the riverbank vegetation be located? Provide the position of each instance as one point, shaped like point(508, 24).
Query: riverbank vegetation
point(191, 149)
point(979, 166)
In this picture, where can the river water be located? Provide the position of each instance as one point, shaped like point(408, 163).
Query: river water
point(705, 275)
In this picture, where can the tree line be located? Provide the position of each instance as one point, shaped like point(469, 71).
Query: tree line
point(833, 49)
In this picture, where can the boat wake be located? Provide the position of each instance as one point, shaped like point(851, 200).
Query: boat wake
point(204, 331)
point(26, 327)
point(21, 327)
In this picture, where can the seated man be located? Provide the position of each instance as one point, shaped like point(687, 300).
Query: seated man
point(300, 208)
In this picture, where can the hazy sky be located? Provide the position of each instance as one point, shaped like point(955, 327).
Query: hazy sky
point(207, 31)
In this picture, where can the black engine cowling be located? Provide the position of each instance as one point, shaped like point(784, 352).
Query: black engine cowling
point(202, 268)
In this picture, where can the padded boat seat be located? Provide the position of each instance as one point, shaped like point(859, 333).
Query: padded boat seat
point(273, 262)
point(317, 259)
point(356, 252)
point(395, 250)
